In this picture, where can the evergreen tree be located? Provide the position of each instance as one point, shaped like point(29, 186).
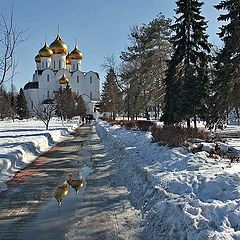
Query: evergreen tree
point(5, 106)
point(13, 103)
point(69, 104)
point(65, 103)
point(111, 100)
point(226, 85)
point(21, 105)
point(81, 109)
point(187, 81)
point(144, 64)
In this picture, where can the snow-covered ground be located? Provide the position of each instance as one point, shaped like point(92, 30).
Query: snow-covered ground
point(181, 195)
point(22, 141)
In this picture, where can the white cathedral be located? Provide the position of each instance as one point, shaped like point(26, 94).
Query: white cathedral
point(55, 68)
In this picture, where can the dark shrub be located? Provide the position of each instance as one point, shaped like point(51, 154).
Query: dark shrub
point(142, 125)
point(175, 135)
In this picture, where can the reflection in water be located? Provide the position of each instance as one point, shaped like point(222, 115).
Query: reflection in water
point(75, 180)
point(61, 192)
point(76, 184)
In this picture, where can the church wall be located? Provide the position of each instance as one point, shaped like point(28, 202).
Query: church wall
point(32, 97)
point(75, 65)
point(58, 61)
point(77, 82)
point(45, 63)
point(47, 84)
point(91, 85)
point(38, 65)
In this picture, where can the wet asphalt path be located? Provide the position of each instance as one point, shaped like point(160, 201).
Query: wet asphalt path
point(35, 185)
point(101, 210)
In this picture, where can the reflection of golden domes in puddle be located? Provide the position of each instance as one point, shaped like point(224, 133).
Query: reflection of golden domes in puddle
point(76, 54)
point(68, 59)
point(45, 51)
point(63, 80)
point(37, 59)
point(58, 46)
point(60, 193)
point(76, 184)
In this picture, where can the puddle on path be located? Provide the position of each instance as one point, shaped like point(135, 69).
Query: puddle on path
point(53, 221)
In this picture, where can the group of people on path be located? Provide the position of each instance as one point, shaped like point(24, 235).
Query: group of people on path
point(87, 119)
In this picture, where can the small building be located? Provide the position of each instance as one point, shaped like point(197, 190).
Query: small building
point(56, 67)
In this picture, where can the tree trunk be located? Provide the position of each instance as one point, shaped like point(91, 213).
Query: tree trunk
point(195, 121)
point(47, 122)
point(188, 123)
point(147, 114)
point(155, 111)
point(227, 116)
point(237, 112)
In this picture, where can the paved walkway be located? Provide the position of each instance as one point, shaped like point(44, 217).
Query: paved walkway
point(28, 209)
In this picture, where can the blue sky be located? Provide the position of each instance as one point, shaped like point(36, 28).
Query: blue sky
point(101, 27)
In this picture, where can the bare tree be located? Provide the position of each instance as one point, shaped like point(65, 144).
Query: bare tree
point(10, 38)
point(45, 111)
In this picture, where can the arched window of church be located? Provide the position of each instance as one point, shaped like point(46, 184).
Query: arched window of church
point(42, 64)
point(59, 64)
point(48, 77)
point(91, 95)
point(91, 79)
point(77, 79)
point(54, 64)
point(48, 94)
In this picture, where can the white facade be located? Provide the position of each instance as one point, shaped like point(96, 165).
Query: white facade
point(52, 63)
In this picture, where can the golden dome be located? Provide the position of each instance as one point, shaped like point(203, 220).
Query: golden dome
point(45, 51)
point(76, 54)
point(68, 59)
point(63, 80)
point(58, 46)
point(37, 59)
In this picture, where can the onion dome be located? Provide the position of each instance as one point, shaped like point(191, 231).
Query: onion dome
point(45, 51)
point(58, 46)
point(76, 54)
point(37, 59)
point(63, 80)
point(68, 59)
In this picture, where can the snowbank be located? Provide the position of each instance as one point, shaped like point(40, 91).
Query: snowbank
point(22, 141)
point(181, 195)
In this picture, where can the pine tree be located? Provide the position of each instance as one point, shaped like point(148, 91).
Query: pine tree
point(187, 81)
point(144, 64)
point(111, 100)
point(226, 86)
point(22, 109)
